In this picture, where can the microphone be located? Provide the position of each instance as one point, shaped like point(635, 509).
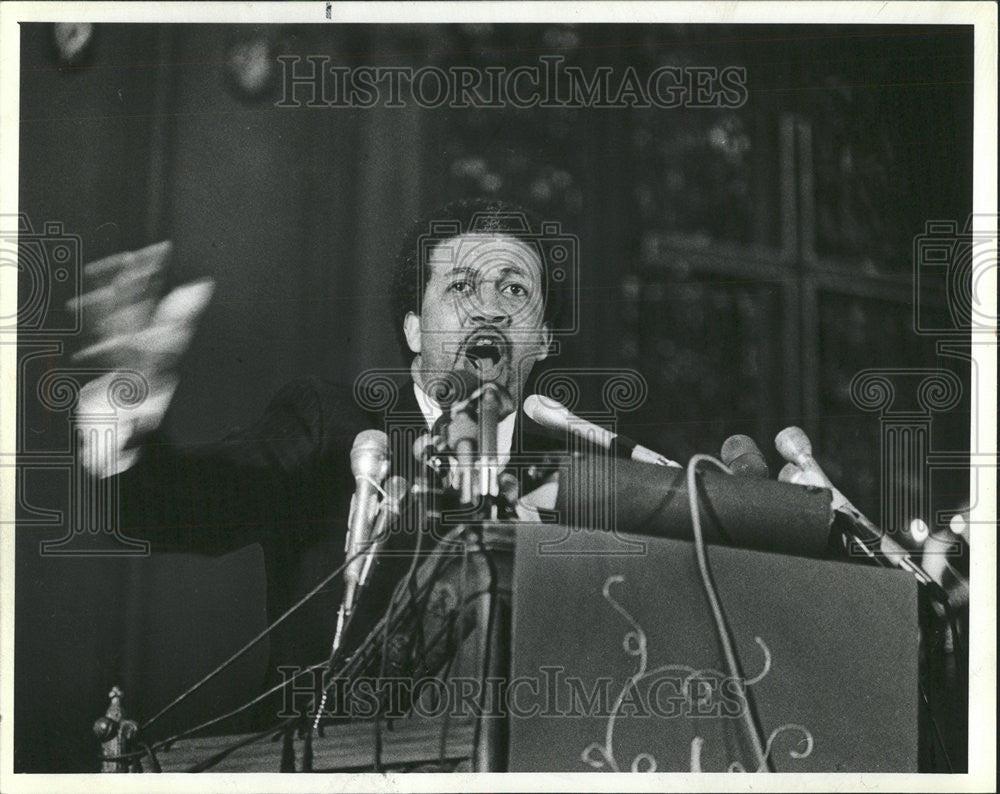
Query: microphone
point(791, 473)
point(554, 415)
point(396, 490)
point(794, 446)
point(369, 464)
point(937, 548)
point(461, 435)
point(742, 455)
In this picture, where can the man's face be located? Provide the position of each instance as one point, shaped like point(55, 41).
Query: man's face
point(482, 312)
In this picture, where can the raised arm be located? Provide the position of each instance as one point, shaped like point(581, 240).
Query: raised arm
point(288, 472)
point(284, 472)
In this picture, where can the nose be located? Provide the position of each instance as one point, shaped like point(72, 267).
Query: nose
point(489, 308)
point(486, 318)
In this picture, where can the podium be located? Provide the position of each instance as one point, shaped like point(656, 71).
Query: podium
point(607, 661)
point(829, 650)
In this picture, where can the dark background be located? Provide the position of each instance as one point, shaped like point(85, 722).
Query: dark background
point(749, 262)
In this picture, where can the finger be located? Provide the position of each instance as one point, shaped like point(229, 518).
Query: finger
point(132, 280)
point(124, 349)
point(185, 303)
point(118, 342)
point(91, 297)
point(140, 273)
point(129, 318)
point(155, 254)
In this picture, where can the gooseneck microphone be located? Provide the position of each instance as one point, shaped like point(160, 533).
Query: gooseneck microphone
point(396, 490)
point(369, 465)
point(742, 455)
point(794, 446)
point(553, 415)
point(791, 473)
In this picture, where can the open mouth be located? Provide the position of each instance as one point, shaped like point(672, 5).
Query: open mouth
point(486, 353)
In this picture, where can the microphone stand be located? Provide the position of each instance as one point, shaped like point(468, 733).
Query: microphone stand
point(489, 420)
point(472, 435)
point(492, 402)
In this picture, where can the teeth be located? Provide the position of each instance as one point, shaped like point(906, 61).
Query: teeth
point(486, 341)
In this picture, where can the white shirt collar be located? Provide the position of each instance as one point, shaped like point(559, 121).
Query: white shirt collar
point(505, 430)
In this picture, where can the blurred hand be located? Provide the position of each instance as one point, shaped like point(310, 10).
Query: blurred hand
point(129, 324)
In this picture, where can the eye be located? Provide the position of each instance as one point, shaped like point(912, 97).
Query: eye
point(459, 287)
point(514, 289)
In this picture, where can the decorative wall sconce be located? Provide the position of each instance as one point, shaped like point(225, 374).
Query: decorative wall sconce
point(73, 42)
point(251, 66)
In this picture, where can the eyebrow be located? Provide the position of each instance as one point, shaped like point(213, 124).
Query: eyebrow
point(465, 271)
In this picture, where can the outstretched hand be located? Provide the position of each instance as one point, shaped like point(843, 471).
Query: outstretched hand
point(130, 324)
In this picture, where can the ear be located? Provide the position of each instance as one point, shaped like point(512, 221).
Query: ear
point(411, 329)
point(546, 342)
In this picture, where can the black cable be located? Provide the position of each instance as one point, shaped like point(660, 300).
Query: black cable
point(229, 661)
point(270, 731)
point(934, 726)
point(722, 630)
point(357, 660)
point(211, 761)
point(407, 577)
point(459, 616)
point(187, 732)
point(252, 702)
point(488, 645)
point(219, 668)
point(153, 760)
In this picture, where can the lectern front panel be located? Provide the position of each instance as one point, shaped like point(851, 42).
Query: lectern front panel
point(616, 664)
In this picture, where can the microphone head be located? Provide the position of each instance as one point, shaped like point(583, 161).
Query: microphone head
point(793, 474)
point(462, 427)
point(509, 486)
point(423, 445)
point(789, 473)
point(741, 454)
point(369, 454)
point(546, 412)
point(499, 396)
point(793, 444)
point(396, 490)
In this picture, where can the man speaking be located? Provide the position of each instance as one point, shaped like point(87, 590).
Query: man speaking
point(475, 303)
